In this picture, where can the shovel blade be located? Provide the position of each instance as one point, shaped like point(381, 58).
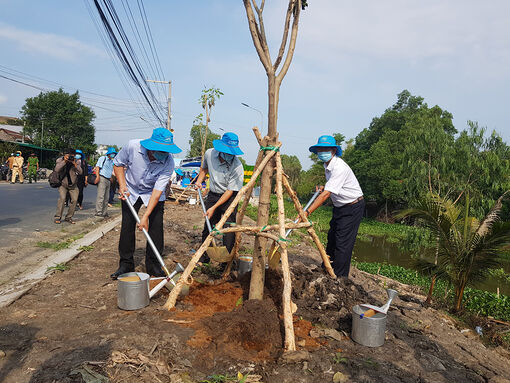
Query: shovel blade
point(274, 260)
point(219, 254)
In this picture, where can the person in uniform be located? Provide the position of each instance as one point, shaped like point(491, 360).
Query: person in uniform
point(105, 165)
point(33, 167)
point(17, 168)
point(10, 163)
point(143, 169)
point(226, 176)
point(349, 205)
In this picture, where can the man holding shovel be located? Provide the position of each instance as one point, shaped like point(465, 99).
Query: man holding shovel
point(143, 169)
point(349, 205)
point(226, 175)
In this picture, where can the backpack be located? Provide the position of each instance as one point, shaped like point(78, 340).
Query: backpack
point(93, 178)
point(55, 179)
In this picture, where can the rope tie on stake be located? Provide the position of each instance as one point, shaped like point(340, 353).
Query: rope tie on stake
point(281, 239)
point(216, 232)
point(273, 148)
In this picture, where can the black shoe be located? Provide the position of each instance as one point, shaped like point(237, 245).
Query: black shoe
point(155, 272)
point(120, 271)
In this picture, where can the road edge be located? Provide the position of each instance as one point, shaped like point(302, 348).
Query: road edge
point(62, 256)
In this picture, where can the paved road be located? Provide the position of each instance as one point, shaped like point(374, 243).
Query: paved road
point(30, 207)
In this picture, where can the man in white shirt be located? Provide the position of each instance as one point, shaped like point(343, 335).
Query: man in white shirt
point(143, 169)
point(349, 205)
point(226, 176)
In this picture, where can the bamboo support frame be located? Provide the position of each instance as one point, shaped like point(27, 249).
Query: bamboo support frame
point(310, 230)
point(290, 341)
point(172, 298)
point(256, 229)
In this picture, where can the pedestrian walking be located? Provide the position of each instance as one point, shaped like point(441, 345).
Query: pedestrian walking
point(82, 178)
point(349, 205)
point(226, 176)
point(17, 168)
point(68, 169)
point(33, 167)
point(105, 165)
point(143, 169)
point(10, 163)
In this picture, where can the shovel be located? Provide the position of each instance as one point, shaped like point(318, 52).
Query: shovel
point(218, 254)
point(375, 309)
point(169, 276)
point(274, 258)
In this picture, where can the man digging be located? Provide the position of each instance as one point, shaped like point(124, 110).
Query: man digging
point(226, 175)
point(143, 169)
point(349, 205)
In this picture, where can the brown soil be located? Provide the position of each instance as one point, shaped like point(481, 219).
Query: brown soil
point(71, 320)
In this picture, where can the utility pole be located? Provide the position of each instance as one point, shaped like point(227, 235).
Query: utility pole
point(169, 115)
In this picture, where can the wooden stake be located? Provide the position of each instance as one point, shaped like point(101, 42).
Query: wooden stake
point(290, 341)
point(172, 297)
point(255, 229)
point(310, 230)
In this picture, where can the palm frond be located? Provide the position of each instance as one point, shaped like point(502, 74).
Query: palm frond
point(492, 216)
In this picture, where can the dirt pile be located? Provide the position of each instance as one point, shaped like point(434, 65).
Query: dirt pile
point(323, 300)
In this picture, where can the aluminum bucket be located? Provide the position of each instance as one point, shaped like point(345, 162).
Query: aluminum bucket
point(133, 295)
point(245, 263)
point(370, 331)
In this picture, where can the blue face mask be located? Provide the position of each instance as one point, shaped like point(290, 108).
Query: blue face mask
point(227, 157)
point(324, 156)
point(17, 154)
point(160, 156)
point(78, 156)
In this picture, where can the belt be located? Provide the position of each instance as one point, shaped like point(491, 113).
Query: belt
point(355, 201)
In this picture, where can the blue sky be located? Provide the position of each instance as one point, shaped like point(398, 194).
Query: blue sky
point(351, 60)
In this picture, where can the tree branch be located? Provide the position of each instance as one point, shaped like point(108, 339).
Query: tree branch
point(292, 43)
point(257, 38)
point(284, 37)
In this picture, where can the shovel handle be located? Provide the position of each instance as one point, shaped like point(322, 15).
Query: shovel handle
point(149, 239)
point(205, 211)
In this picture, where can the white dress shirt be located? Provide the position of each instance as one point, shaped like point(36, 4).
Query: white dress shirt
point(142, 174)
point(341, 182)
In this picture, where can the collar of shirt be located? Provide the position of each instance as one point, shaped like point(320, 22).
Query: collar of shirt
point(329, 167)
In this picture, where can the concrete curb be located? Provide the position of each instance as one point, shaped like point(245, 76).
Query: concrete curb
point(11, 292)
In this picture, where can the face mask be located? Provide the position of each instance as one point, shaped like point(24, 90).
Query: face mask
point(227, 157)
point(111, 156)
point(78, 156)
point(17, 154)
point(160, 156)
point(324, 156)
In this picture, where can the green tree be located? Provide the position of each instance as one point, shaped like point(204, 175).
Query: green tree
point(67, 122)
point(292, 167)
point(467, 247)
point(207, 100)
point(197, 133)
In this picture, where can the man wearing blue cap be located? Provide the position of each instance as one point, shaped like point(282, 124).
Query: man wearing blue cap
point(143, 169)
point(226, 175)
point(105, 165)
point(349, 205)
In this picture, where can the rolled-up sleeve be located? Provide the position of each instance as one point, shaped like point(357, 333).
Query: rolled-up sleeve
point(165, 175)
point(235, 182)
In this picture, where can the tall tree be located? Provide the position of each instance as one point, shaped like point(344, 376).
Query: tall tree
point(292, 168)
point(274, 80)
point(197, 133)
point(67, 122)
point(207, 100)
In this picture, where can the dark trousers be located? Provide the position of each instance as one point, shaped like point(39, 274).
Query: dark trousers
point(113, 188)
point(230, 238)
point(80, 182)
point(343, 229)
point(127, 238)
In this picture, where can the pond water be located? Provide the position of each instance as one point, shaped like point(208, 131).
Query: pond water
point(378, 249)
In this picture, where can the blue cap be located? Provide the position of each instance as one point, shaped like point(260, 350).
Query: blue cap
point(111, 150)
point(79, 151)
point(162, 140)
point(179, 172)
point(229, 144)
point(326, 142)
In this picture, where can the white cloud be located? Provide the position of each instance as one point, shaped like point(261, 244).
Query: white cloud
point(61, 47)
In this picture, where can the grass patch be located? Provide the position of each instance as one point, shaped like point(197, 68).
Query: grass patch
point(60, 245)
point(86, 248)
point(58, 267)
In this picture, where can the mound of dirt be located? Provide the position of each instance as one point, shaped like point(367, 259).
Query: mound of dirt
point(323, 300)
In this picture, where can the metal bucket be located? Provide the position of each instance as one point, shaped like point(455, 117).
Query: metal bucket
point(245, 263)
point(133, 295)
point(368, 331)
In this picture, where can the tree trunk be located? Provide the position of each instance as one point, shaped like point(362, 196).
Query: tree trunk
point(259, 256)
point(431, 290)
point(459, 294)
